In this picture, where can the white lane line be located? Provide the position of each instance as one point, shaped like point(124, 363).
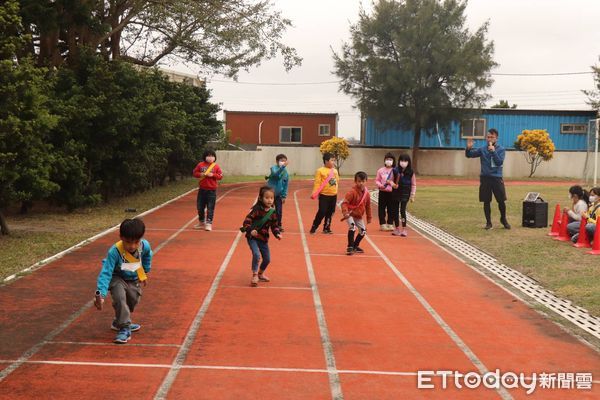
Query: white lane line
point(267, 287)
point(50, 336)
point(231, 368)
point(111, 344)
point(449, 331)
point(191, 335)
point(40, 264)
point(342, 255)
point(332, 372)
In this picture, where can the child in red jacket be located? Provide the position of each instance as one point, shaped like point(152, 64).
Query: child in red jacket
point(208, 173)
point(356, 204)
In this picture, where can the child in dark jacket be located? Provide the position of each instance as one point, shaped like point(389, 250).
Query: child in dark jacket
point(256, 225)
point(208, 172)
point(356, 204)
point(279, 179)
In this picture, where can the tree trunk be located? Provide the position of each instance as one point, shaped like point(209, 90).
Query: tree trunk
point(416, 144)
point(3, 226)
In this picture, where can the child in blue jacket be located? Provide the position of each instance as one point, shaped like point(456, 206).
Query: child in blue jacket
point(278, 179)
point(123, 271)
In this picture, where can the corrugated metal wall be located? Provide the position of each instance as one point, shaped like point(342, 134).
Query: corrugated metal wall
point(508, 125)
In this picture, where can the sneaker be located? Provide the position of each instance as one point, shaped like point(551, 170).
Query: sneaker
point(358, 250)
point(575, 238)
point(208, 227)
point(254, 281)
point(404, 233)
point(397, 232)
point(390, 227)
point(263, 278)
point(488, 226)
point(383, 227)
point(349, 250)
point(327, 231)
point(132, 327)
point(123, 336)
point(313, 230)
point(199, 225)
point(505, 224)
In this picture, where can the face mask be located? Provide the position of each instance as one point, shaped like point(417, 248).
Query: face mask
point(404, 164)
point(210, 159)
point(593, 198)
point(388, 163)
point(281, 163)
point(570, 197)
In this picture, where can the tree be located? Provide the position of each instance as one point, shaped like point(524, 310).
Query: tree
point(413, 64)
point(537, 147)
point(25, 154)
point(338, 147)
point(218, 35)
point(594, 95)
point(503, 104)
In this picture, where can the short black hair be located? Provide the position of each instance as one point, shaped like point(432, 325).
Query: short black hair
point(327, 156)
point(360, 175)
point(209, 152)
point(493, 131)
point(132, 229)
point(280, 156)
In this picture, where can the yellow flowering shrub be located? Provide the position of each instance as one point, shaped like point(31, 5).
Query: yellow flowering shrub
point(338, 147)
point(537, 147)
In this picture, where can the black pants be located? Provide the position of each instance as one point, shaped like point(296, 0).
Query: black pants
point(326, 209)
point(492, 185)
point(206, 199)
point(403, 204)
point(395, 211)
point(385, 204)
point(279, 209)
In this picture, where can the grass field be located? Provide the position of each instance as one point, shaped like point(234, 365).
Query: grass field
point(566, 270)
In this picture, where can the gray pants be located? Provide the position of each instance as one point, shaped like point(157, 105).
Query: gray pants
point(125, 296)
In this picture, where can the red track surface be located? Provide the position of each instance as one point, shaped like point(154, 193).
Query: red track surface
point(405, 306)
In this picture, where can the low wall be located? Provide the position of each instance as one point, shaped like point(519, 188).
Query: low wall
point(304, 161)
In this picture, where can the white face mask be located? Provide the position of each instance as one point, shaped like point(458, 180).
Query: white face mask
point(593, 199)
point(570, 196)
point(210, 159)
point(281, 163)
point(404, 164)
point(388, 163)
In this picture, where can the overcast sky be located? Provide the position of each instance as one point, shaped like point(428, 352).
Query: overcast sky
point(530, 36)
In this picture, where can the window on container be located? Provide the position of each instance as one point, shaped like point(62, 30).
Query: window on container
point(290, 134)
point(472, 128)
point(324, 129)
point(573, 128)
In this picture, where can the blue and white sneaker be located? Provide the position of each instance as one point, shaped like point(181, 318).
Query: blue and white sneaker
point(132, 327)
point(123, 336)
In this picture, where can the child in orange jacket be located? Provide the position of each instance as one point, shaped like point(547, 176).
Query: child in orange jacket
point(356, 204)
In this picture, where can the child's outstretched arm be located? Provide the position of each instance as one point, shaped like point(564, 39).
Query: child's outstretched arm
point(318, 180)
point(146, 258)
point(105, 275)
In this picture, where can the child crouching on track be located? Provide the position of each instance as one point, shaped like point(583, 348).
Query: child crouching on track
point(123, 269)
point(262, 216)
point(356, 203)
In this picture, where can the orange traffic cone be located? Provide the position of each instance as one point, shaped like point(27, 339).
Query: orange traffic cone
point(582, 240)
point(555, 222)
point(563, 234)
point(596, 245)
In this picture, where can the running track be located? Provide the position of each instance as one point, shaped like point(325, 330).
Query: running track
point(327, 326)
